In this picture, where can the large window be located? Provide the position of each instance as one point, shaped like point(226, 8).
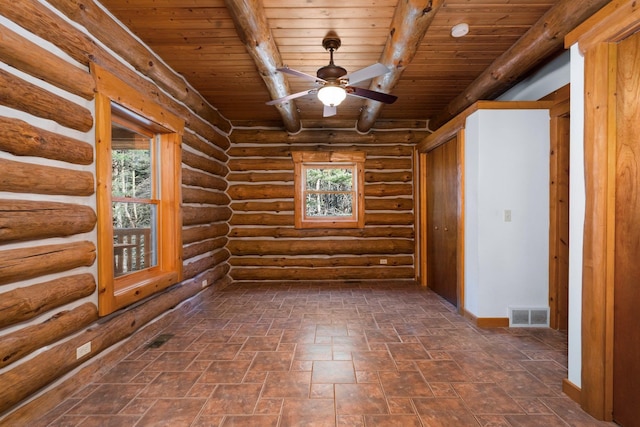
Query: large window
point(329, 189)
point(138, 197)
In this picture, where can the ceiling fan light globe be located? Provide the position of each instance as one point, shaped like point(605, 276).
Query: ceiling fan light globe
point(332, 96)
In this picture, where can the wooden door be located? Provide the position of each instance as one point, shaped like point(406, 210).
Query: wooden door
point(442, 220)
point(626, 345)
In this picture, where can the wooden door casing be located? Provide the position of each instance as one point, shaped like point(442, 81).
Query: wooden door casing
point(626, 343)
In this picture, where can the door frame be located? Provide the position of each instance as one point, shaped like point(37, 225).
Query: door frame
point(597, 38)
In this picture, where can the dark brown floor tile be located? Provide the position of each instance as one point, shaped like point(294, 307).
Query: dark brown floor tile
point(442, 371)
point(333, 372)
point(444, 412)
point(493, 421)
point(404, 384)
point(447, 343)
point(322, 391)
point(233, 399)
point(250, 421)
point(172, 361)
point(360, 399)
point(124, 371)
point(400, 405)
point(272, 361)
point(225, 372)
point(381, 336)
point(350, 421)
point(313, 352)
point(521, 384)
point(172, 412)
point(219, 351)
point(261, 343)
point(138, 406)
point(535, 421)
point(486, 398)
point(373, 361)
point(392, 421)
point(570, 412)
point(106, 399)
point(109, 421)
point(331, 330)
point(287, 384)
point(308, 412)
point(208, 421)
point(407, 351)
point(170, 384)
point(269, 406)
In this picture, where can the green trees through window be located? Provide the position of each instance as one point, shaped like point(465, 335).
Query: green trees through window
point(329, 191)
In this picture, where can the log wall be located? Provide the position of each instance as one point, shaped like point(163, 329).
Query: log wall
point(263, 242)
point(47, 190)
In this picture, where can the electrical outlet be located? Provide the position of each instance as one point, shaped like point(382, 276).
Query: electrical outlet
point(507, 215)
point(204, 283)
point(383, 261)
point(83, 350)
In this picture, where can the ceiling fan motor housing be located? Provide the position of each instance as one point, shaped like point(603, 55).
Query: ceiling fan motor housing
point(331, 72)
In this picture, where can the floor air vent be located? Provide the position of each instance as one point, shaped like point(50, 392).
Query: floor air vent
point(529, 317)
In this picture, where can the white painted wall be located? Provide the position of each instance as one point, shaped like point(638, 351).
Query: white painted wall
point(576, 215)
point(506, 168)
point(550, 77)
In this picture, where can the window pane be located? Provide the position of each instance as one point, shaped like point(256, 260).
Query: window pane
point(134, 237)
point(130, 163)
point(329, 179)
point(337, 204)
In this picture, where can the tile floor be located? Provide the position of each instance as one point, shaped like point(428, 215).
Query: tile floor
point(350, 355)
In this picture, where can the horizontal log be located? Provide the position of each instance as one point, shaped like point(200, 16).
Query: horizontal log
point(393, 218)
point(27, 263)
point(288, 232)
point(252, 192)
point(285, 150)
point(26, 303)
point(326, 137)
point(206, 147)
point(324, 274)
point(388, 204)
point(22, 139)
point(382, 190)
point(263, 206)
point(199, 179)
point(22, 342)
point(316, 262)
point(117, 38)
point(28, 377)
point(264, 219)
point(18, 177)
point(266, 164)
point(32, 59)
point(321, 247)
point(195, 195)
point(285, 164)
point(406, 176)
point(27, 220)
point(205, 246)
point(197, 234)
point(260, 177)
point(192, 269)
point(24, 96)
point(203, 163)
point(205, 215)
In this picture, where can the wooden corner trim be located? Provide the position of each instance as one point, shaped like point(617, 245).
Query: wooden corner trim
point(571, 390)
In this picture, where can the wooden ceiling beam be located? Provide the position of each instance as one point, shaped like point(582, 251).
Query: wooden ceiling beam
point(408, 27)
point(254, 32)
point(544, 38)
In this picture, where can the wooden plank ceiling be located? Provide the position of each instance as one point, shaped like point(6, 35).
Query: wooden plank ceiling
point(198, 38)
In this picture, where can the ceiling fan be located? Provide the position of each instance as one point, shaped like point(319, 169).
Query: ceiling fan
point(335, 84)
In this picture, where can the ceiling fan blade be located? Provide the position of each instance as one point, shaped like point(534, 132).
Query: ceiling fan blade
point(366, 73)
point(371, 94)
point(329, 111)
point(290, 97)
point(297, 73)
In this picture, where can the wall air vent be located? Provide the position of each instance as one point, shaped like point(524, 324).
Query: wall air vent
point(529, 317)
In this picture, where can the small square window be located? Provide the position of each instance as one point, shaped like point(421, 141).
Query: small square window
point(329, 189)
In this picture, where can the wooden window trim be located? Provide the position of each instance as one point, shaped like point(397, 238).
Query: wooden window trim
point(305, 159)
point(115, 293)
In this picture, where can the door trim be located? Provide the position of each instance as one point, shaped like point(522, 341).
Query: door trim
point(597, 38)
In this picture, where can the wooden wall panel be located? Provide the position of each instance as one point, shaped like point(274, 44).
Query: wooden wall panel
point(263, 242)
point(48, 289)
